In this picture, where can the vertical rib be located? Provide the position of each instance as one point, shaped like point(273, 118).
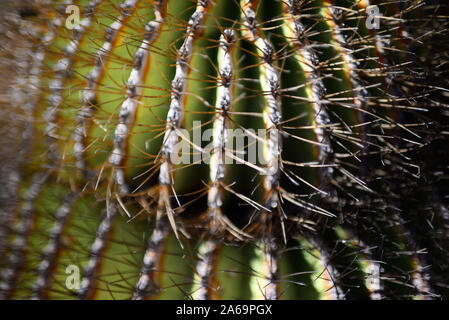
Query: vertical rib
point(374, 281)
point(89, 99)
point(332, 275)
point(38, 180)
point(87, 288)
point(34, 87)
point(205, 269)
point(50, 252)
point(134, 94)
point(147, 283)
point(17, 258)
point(381, 42)
point(272, 260)
point(175, 114)
point(62, 72)
point(32, 94)
point(225, 96)
point(309, 61)
point(343, 39)
point(372, 253)
point(270, 82)
point(422, 276)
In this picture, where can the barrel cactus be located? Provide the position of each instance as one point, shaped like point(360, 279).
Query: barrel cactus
point(199, 149)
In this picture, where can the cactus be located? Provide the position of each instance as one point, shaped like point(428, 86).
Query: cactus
point(164, 149)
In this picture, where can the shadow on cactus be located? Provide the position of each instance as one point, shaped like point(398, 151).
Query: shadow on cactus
point(219, 149)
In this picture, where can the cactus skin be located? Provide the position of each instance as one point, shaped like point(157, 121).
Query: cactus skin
point(348, 200)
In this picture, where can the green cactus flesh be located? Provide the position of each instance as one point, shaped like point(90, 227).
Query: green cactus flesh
point(342, 196)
